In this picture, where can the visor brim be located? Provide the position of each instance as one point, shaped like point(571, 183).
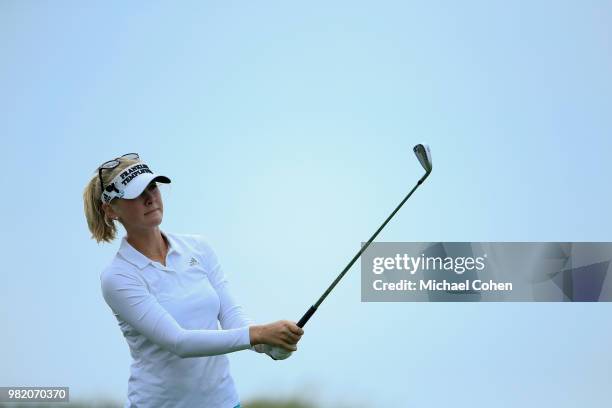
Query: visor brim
point(137, 186)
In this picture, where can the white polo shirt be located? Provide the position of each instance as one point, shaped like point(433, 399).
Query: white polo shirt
point(170, 316)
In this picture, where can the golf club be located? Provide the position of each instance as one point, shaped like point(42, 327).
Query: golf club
point(424, 155)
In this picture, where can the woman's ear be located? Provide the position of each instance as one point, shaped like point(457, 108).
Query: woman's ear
point(109, 212)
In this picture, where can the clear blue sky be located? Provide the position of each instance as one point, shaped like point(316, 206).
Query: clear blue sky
point(287, 130)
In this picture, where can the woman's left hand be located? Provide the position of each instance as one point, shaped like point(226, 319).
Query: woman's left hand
point(260, 348)
point(275, 353)
point(278, 353)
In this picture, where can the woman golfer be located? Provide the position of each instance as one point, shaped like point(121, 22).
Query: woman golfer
point(169, 295)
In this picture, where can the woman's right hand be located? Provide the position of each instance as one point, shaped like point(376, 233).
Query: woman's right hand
point(282, 333)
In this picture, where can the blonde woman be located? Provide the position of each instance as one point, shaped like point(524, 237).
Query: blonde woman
point(171, 297)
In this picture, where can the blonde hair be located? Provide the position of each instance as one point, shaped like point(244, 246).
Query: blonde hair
point(101, 227)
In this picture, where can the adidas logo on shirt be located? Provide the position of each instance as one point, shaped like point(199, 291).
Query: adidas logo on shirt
point(193, 261)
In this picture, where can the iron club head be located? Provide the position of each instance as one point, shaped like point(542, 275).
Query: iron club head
point(424, 155)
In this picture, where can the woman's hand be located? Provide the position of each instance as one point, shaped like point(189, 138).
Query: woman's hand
point(275, 353)
point(283, 333)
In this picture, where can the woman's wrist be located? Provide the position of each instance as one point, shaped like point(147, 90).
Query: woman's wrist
point(255, 334)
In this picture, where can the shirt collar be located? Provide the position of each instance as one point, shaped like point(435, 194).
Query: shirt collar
point(133, 256)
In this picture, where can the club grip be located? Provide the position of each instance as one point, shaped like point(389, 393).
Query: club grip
point(306, 316)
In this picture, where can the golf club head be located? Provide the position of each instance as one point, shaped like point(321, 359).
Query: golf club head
point(424, 155)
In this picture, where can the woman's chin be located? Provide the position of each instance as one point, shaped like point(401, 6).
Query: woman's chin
point(154, 219)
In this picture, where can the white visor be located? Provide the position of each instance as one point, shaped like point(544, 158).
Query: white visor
point(131, 182)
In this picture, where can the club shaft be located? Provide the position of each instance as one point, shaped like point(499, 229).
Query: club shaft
point(314, 307)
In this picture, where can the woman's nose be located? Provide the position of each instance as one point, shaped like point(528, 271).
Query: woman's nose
point(147, 197)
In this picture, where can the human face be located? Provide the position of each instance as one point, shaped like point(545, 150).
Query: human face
point(143, 212)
